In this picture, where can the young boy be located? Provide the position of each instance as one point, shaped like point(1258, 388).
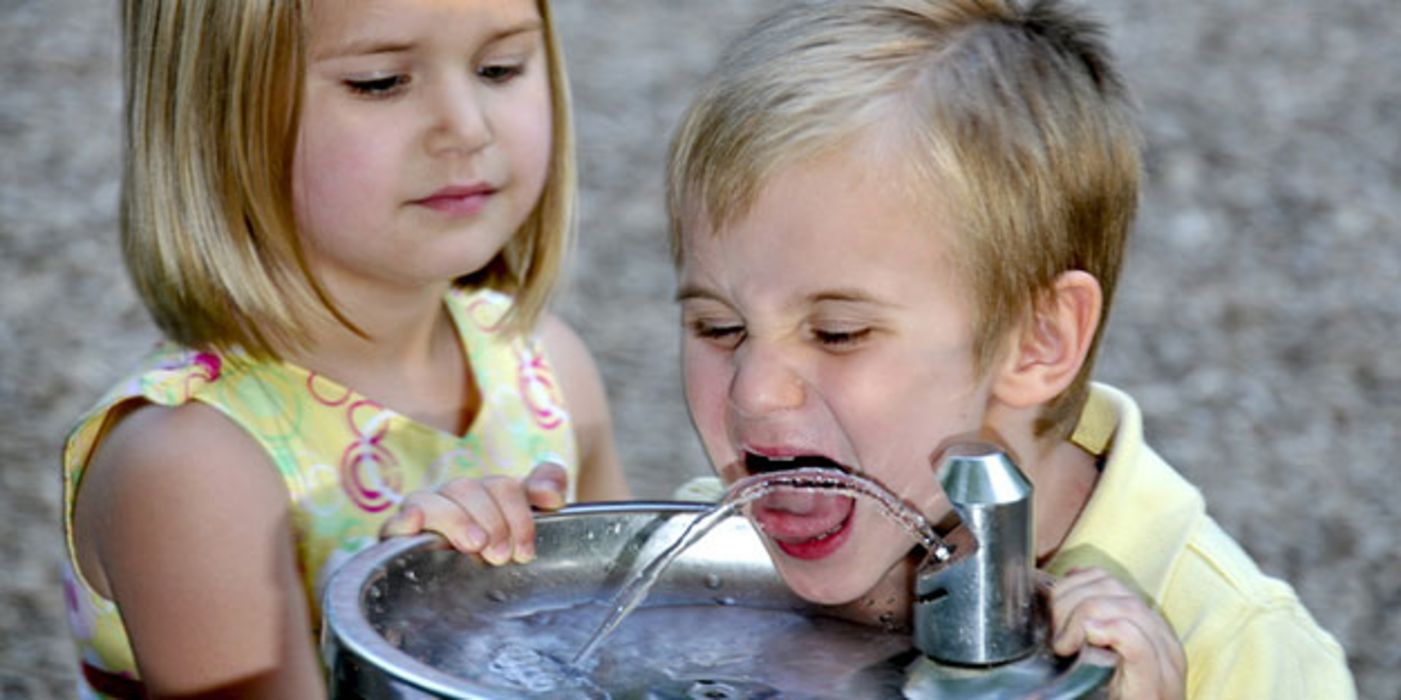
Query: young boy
point(897, 221)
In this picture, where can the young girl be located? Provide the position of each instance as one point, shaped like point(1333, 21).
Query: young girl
point(346, 217)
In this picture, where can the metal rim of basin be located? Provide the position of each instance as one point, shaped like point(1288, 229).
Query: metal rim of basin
point(352, 631)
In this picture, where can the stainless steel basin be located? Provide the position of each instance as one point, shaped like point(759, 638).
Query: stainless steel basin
point(409, 618)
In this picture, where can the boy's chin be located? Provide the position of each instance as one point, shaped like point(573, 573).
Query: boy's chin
point(825, 588)
point(872, 579)
point(880, 603)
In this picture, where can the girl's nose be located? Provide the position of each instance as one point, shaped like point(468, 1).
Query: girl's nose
point(764, 382)
point(460, 122)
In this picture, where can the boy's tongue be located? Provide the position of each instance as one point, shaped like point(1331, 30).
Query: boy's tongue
point(793, 516)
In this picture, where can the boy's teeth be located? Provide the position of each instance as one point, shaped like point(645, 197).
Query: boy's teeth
point(835, 528)
point(757, 463)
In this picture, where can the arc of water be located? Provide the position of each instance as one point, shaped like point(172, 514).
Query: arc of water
point(742, 493)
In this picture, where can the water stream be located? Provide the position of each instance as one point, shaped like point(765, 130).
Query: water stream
point(740, 494)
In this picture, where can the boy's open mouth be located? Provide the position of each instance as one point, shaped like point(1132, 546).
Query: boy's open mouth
point(805, 524)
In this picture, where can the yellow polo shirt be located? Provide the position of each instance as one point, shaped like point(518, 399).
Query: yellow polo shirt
point(1246, 635)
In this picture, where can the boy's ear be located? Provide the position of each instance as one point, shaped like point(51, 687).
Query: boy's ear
point(1049, 348)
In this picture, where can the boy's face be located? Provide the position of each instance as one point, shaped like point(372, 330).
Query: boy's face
point(828, 322)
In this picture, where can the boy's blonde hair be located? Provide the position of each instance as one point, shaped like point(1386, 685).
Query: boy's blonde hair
point(1014, 117)
point(208, 231)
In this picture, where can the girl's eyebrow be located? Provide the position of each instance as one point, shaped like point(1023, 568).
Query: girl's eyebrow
point(370, 46)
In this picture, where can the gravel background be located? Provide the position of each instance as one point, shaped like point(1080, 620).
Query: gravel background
point(1257, 321)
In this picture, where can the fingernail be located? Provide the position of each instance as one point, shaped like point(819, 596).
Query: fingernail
point(541, 486)
point(476, 537)
point(525, 553)
point(498, 554)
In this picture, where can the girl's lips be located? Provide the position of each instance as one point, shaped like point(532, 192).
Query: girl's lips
point(467, 199)
point(805, 525)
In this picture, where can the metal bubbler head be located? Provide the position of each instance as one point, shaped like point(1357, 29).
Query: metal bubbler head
point(976, 609)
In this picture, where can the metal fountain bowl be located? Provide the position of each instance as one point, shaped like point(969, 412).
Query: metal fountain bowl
point(412, 618)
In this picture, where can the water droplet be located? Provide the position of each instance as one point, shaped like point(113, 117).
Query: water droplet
point(725, 600)
point(498, 596)
point(887, 621)
point(711, 690)
point(713, 581)
point(411, 575)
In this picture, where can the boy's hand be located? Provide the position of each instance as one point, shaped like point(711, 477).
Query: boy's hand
point(489, 516)
point(1089, 606)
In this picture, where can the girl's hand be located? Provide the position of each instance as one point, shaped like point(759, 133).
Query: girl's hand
point(489, 516)
point(1089, 606)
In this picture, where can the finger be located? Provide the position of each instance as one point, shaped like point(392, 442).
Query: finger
point(475, 501)
point(446, 517)
point(511, 502)
point(408, 521)
point(1151, 662)
point(546, 486)
point(1071, 592)
point(1070, 627)
point(1143, 669)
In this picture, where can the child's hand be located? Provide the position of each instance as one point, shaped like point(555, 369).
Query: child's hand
point(1089, 606)
point(489, 516)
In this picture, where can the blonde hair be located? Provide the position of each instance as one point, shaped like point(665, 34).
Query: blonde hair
point(208, 231)
point(1014, 117)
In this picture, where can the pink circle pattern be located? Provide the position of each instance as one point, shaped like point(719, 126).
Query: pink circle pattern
point(539, 392)
point(370, 473)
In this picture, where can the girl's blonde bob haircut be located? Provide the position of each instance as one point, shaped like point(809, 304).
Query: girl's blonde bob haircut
point(1013, 122)
point(208, 232)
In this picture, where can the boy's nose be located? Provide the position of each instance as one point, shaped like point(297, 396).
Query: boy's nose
point(764, 382)
point(460, 120)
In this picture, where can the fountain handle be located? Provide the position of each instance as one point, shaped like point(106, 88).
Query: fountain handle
point(976, 609)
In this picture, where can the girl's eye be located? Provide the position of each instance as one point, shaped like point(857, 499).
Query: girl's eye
point(500, 73)
point(377, 87)
point(841, 339)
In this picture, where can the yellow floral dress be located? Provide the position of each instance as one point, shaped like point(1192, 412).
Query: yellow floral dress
point(347, 461)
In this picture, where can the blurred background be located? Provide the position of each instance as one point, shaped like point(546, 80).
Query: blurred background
point(1257, 323)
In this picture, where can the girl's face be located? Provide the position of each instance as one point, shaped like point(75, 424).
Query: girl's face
point(424, 140)
point(825, 326)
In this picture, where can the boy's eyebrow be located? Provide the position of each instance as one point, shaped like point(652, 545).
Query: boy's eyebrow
point(851, 296)
point(856, 296)
point(368, 46)
point(689, 292)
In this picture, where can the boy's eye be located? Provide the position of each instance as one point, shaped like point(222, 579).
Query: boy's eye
point(724, 334)
point(841, 339)
point(500, 73)
point(377, 87)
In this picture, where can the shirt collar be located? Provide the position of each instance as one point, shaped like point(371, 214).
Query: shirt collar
point(1141, 512)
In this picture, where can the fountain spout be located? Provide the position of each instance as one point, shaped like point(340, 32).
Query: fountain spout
point(976, 608)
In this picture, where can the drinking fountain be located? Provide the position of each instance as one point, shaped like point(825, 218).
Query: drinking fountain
point(412, 618)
